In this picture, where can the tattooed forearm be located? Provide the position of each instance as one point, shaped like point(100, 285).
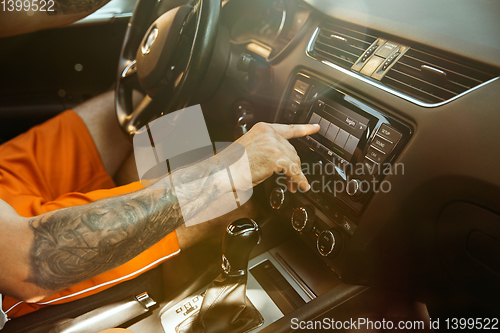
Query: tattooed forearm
point(75, 6)
point(74, 244)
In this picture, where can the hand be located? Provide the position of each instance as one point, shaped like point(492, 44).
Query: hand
point(269, 151)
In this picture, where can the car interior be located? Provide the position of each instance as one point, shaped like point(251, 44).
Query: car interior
point(402, 222)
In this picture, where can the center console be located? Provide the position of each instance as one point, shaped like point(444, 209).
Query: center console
point(346, 162)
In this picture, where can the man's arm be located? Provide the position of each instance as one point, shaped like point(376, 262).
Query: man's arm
point(44, 254)
point(50, 252)
point(55, 13)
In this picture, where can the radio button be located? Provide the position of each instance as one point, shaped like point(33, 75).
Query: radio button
point(351, 144)
point(335, 214)
point(323, 126)
point(315, 119)
point(375, 155)
point(369, 166)
point(332, 132)
point(382, 144)
point(297, 96)
point(341, 138)
point(290, 115)
point(293, 106)
point(330, 156)
point(389, 133)
point(320, 104)
point(301, 86)
point(348, 226)
point(350, 122)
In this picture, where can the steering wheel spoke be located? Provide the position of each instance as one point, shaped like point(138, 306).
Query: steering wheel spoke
point(130, 70)
point(128, 77)
point(168, 62)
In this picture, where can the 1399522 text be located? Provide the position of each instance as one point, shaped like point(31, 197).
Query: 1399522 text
point(27, 5)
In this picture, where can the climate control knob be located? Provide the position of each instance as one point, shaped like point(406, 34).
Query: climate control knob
point(352, 188)
point(328, 242)
point(278, 198)
point(303, 218)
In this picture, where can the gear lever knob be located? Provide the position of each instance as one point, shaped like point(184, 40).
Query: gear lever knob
point(241, 237)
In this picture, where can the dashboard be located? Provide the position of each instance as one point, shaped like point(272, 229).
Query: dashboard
point(409, 88)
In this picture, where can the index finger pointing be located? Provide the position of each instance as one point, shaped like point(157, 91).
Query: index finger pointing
point(295, 131)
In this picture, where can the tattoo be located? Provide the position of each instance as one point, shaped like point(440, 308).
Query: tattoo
point(75, 6)
point(74, 244)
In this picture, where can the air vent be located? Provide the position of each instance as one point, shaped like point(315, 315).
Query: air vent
point(434, 78)
point(341, 45)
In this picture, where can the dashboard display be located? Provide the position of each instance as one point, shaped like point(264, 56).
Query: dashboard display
point(271, 24)
point(341, 128)
point(264, 23)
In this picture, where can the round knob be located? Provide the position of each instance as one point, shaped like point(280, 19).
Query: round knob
point(353, 188)
point(302, 219)
point(326, 242)
point(278, 198)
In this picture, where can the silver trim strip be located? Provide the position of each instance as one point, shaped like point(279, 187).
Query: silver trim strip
point(377, 149)
point(368, 158)
point(433, 69)
point(125, 72)
point(379, 85)
point(101, 18)
point(338, 37)
point(282, 24)
point(110, 282)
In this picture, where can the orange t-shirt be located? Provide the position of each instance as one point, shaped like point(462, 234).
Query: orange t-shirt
point(56, 165)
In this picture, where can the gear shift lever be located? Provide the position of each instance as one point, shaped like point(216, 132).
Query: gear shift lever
point(241, 237)
point(225, 306)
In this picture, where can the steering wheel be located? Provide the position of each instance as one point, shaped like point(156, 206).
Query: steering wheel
point(167, 58)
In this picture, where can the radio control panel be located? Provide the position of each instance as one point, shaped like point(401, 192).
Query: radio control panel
point(345, 162)
point(355, 147)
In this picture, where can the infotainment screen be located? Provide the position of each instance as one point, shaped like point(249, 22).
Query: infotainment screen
point(341, 128)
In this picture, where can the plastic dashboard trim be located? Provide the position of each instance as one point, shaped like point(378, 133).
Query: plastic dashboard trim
point(381, 86)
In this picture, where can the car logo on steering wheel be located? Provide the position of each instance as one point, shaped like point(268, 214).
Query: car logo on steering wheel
point(146, 47)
